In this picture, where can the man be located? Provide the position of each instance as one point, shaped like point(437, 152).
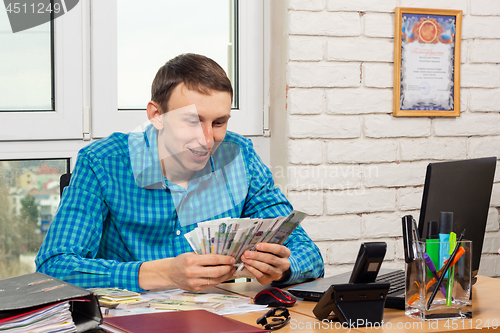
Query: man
point(133, 196)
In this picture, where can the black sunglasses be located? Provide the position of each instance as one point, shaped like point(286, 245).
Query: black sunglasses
point(277, 322)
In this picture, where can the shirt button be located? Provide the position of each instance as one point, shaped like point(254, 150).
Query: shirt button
point(178, 232)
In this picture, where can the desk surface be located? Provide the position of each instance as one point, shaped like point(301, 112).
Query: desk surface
point(485, 313)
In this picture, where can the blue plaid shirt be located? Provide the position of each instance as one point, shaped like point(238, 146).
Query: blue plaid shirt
point(114, 215)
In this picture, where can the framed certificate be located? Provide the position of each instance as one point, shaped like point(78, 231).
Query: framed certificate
point(427, 62)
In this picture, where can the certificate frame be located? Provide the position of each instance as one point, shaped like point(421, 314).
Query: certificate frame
point(427, 62)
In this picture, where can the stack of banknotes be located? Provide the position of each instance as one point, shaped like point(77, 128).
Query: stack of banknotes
point(233, 236)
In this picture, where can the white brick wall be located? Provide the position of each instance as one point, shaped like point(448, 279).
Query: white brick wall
point(305, 48)
point(323, 74)
point(325, 23)
point(378, 75)
point(360, 201)
point(329, 177)
point(362, 5)
point(409, 198)
point(307, 4)
point(484, 50)
point(468, 125)
point(357, 101)
point(339, 227)
point(306, 101)
point(440, 4)
point(485, 7)
point(310, 202)
point(484, 100)
point(480, 26)
point(378, 25)
point(483, 147)
point(387, 126)
point(493, 222)
point(480, 75)
point(325, 127)
point(382, 225)
point(360, 49)
point(491, 243)
point(361, 151)
point(394, 175)
point(305, 151)
point(433, 149)
point(352, 165)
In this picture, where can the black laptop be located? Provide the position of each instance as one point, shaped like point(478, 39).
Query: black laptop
point(462, 187)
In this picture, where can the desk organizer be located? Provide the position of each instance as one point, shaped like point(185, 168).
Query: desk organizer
point(420, 286)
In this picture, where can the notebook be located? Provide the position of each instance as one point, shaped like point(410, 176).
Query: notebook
point(462, 187)
point(193, 321)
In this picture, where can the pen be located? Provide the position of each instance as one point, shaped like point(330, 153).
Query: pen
point(416, 239)
point(445, 227)
point(460, 253)
point(432, 268)
point(445, 270)
point(407, 238)
point(453, 244)
point(432, 244)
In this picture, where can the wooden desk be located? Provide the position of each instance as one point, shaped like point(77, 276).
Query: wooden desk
point(485, 312)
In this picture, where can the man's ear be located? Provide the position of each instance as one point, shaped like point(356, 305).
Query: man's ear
point(154, 115)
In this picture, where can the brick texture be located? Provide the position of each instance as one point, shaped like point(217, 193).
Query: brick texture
point(357, 101)
point(305, 151)
point(323, 74)
point(360, 49)
point(378, 25)
point(314, 5)
point(353, 166)
point(361, 151)
point(325, 127)
point(306, 101)
point(325, 23)
point(362, 5)
point(439, 4)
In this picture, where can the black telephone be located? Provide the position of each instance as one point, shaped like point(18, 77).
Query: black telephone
point(368, 262)
point(361, 300)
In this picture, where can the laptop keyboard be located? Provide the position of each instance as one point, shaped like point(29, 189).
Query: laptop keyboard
point(395, 278)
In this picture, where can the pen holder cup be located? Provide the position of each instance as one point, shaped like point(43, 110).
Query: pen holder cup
point(420, 283)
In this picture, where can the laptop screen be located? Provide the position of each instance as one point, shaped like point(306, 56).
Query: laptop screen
point(464, 188)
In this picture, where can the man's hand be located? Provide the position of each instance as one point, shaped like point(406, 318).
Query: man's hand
point(188, 271)
point(269, 264)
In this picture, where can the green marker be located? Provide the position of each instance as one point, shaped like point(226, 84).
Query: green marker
point(449, 292)
point(432, 244)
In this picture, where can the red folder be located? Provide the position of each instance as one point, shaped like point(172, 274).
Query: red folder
point(194, 321)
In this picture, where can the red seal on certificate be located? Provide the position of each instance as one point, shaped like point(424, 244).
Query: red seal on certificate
point(427, 32)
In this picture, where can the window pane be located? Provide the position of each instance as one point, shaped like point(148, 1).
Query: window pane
point(29, 197)
point(163, 29)
point(25, 68)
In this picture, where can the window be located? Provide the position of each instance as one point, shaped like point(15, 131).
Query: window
point(122, 74)
point(86, 93)
point(163, 29)
point(26, 68)
point(76, 88)
point(29, 197)
point(48, 78)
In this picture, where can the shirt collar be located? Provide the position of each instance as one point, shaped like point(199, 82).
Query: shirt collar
point(143, 150)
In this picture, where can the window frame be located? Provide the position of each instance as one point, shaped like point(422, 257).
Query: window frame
point(65, 122)
point(107, 118)
point(63, 132)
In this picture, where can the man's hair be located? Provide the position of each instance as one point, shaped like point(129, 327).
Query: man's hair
point(197, 72)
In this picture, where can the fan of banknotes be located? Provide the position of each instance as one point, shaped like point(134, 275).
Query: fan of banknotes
point(233, 236)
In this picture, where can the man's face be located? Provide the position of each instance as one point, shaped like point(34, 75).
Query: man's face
point(192, 128)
